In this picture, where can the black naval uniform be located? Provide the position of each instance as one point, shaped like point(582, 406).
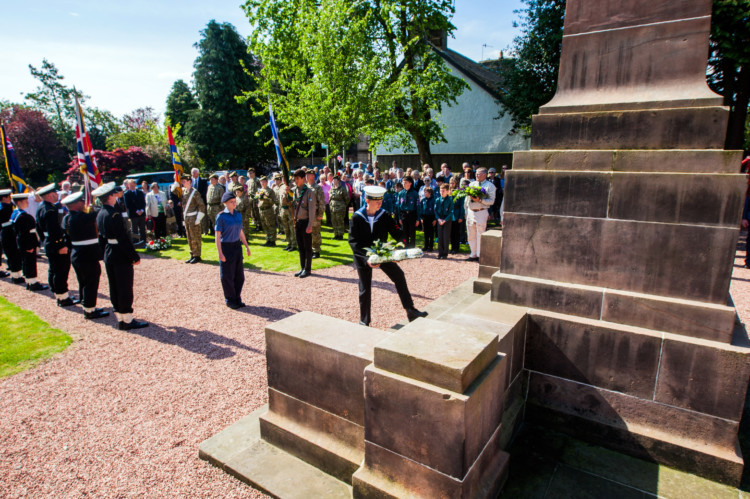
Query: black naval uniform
point(55, 239)
point(27, 240)
point(8, 238)
point(86, 254)
point(119, 257)
point(361, 236)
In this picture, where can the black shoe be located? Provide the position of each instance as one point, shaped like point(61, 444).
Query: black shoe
point(134, 324)
point(233, 305)
point(18, 280)
point(4, 274)
point(315, 255)
point(412, 314)
point(37, 286)
point(288, 248)
point(67, 302)
point(196, 259)
point(271, 244)
point(98, 313)
point(472, 259)
point(362, 323)
point(190, 260)
point(305, 273)
point(298, 273)
point(75, 300)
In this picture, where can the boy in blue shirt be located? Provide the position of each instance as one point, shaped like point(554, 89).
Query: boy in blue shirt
point(444, 211)
point(408, 201)
point(426, 213)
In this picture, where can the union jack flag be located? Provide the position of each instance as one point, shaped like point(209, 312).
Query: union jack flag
point(86, 161)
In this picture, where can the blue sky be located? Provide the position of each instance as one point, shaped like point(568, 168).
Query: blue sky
point(127, 54)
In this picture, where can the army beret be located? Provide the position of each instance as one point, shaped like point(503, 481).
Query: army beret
point(226, 197)
point(251, 170)
point(73, 198)
point(239, 187)
point(5, 192)
point(185, 176)
point(263, 178)
point(277, 175)
point(310, 171)
point(233, 174)
point(47, 189)
point(214, 175)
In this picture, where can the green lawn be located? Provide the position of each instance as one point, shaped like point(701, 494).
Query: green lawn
point(25, 339)
point(332, 252)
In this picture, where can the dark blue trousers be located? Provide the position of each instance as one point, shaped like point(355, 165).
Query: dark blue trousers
point(231, 272)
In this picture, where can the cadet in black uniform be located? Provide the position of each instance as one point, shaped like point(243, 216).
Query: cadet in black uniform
point(86, 253)
point(8, 238)
point(369, 224)
point(27, 240)
point(56, 245)
point(119, 256)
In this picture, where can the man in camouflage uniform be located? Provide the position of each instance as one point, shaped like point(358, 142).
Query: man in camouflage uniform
point(245, 207)
point(266, 204)
point(213, 199)
point(253, 185)
point(286, 219)
point(317, 238)
point(338, 201)
point(193, 211)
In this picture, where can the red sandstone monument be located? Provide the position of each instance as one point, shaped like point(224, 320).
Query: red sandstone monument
point(602, 309)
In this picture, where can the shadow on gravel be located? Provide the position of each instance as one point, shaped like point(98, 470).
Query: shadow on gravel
point(268, 313)
point(213, 346)
point(375, 284)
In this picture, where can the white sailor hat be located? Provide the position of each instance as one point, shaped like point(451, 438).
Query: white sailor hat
point(47, 189)
point(72, 198)
point(105, 189)
point(374, 192)
point(5, 192)
point(21, 195)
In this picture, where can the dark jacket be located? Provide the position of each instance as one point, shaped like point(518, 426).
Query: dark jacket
point(25, 227)
point(408, 199)
point(80, 227)
point(112, 228)
point(202, 188)
point(134, 201)
point(48, 224)
point(426, 207)
point(361, 237)
point(444, 208)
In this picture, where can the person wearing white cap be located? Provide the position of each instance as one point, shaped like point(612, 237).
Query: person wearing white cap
point(8, 239)
point(119, 257)
point(369, 224)
point(86, 253)
point(27, 240)
point(56, 245)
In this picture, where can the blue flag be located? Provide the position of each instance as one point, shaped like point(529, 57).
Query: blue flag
point(15, 175)
point(280, 156)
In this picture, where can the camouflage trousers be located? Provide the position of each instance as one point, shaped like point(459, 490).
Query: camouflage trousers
point(287, 222)
point(194, 233)
point(256, 215)
point(213, 212)
point(268, 221)
point(317, 238)
point(337, 221)
point(247, 229)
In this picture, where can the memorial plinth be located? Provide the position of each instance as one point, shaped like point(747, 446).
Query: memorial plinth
point(602, 309)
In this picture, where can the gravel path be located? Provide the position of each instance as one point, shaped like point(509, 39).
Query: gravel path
point(121, 414)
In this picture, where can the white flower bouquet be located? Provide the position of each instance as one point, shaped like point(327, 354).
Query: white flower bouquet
point(381, 252)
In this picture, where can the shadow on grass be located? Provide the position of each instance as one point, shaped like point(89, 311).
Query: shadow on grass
point(211, 345)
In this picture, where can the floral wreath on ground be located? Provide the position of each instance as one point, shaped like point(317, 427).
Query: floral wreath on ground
point(159, 244)
point(390, 251)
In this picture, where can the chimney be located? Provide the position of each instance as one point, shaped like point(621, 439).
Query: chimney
point(439, 38)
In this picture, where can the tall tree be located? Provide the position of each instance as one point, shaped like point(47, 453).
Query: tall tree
point(530, 78)
point(180, 103)
point(223, 129)
point(729, 66)
point(344, 52)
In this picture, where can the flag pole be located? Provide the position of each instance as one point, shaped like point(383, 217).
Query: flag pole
point(5, 157)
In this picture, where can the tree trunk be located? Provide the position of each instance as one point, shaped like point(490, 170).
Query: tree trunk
point(737, 118)
point(423, 146)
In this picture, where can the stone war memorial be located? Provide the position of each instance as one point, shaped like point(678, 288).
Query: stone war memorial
point(601, 310)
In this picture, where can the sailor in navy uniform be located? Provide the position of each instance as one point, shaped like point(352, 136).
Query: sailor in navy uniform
point(369, 224)
point(119, 256)
point(8, 238)
point(86, 253)
point(27, 240)
point(56, 244)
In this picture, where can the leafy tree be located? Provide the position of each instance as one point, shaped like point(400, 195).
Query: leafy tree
point(223, 129)
point(180, 103)
point(39, 152)
point(336, 68)
point(101, 124)
point(729, 66)
point(115, 164)
point(530, 78)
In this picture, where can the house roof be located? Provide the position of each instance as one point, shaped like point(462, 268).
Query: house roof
point(479, 74)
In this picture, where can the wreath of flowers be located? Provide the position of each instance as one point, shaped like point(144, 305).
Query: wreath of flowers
point(159, 244)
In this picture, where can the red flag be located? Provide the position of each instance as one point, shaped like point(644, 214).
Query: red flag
point(176, 161)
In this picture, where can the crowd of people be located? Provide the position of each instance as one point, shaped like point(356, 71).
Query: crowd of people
point(230, 207)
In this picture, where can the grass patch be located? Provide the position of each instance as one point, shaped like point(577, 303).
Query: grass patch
point(332, 252)
point(25, 339)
